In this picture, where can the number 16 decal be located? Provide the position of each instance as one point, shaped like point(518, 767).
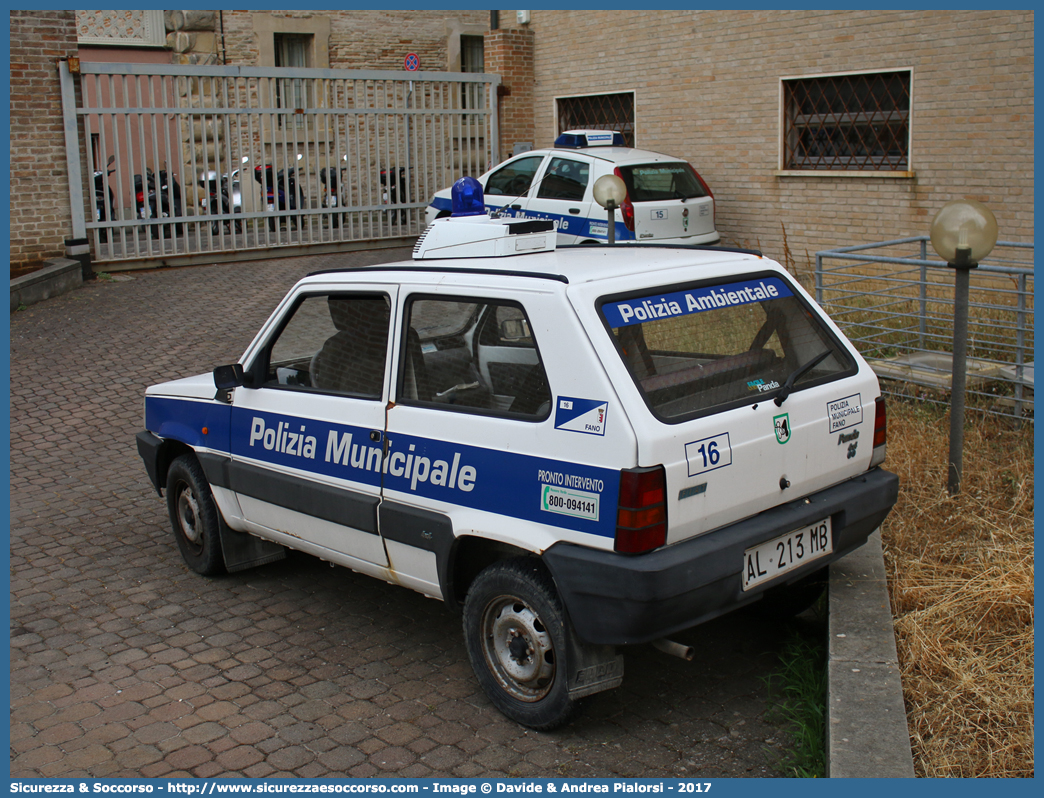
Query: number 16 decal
point(708, 454)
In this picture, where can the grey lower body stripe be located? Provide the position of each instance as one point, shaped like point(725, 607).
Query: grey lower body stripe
point(337, 505)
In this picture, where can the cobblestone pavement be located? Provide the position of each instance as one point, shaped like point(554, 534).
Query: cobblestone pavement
point(124, 663)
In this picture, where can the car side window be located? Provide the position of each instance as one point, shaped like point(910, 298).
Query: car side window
point(514, 178)
point(333, 343)
point(565, 179)
point(491, 365)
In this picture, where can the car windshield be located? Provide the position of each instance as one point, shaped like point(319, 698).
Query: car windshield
point(693, 350)
point(654, 182)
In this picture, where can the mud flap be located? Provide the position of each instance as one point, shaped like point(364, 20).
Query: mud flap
point(593, 668)
point(242, 551)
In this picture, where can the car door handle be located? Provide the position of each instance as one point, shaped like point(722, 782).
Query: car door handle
point(516, 207)
point(375, 435)
point(574, 210)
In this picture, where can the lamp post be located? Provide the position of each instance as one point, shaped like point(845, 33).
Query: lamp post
point(609, 192)
point(963, 232)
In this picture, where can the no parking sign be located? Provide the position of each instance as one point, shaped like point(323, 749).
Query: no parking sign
point(412, 62)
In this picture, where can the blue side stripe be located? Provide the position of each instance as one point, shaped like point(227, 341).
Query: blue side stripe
point(567, 224)
point(184, 420)
point(491, 480)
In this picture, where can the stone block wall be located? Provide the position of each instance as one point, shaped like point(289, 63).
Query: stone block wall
point(362, 39)
point(193, 36)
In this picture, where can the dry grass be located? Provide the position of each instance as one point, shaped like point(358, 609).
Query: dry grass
point(961, 582)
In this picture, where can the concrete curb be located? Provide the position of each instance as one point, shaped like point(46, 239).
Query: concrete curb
point(867, 735)
point(59, 276)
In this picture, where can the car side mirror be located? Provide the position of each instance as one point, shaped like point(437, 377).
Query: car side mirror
point(228, 377)
point(514, 330)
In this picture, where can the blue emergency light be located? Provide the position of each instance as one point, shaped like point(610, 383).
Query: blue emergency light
point(466, 197)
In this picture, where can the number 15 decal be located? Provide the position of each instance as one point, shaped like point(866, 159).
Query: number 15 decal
point(708, 454)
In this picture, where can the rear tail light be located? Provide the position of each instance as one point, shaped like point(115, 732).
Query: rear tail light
point(641, 517)
point(880, 433)
point(708, 192)
point(627, 208)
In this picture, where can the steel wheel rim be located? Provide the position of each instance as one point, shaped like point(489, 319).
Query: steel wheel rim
point(518, 649)
point(188, 516)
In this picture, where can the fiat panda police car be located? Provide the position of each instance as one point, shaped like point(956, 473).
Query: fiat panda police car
point(576, 448)
point(667, 201)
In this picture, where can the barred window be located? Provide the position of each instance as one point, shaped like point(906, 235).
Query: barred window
point(599, 112)
point(847, 122)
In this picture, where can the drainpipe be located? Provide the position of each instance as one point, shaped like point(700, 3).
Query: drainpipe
point(221, 19)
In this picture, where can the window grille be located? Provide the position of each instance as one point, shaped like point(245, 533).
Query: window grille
point(599, 112)
point(847, 122)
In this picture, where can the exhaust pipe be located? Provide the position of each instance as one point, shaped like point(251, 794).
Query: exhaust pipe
point(675, 649)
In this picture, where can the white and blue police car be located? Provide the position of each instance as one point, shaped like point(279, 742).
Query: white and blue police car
point(576, 448)
point(667, 201)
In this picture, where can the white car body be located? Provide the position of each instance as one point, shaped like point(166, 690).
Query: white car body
point(651, 436)
point(668, 202)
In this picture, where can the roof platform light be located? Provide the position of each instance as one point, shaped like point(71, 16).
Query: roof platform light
point(580, 139)
point(469, 232)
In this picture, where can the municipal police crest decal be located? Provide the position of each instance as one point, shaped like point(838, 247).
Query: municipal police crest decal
point(782, 425)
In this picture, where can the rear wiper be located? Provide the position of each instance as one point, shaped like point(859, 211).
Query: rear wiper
point(788, 386)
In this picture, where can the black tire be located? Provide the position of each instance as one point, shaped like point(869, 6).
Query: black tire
point(516, 635)
point(194, 516)
point(786, 601)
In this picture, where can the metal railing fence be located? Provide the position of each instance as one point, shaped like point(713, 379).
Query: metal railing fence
point(189, 161)
point(896, 306)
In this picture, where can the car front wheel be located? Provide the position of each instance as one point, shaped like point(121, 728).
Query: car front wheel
point(194, 516)
point(517, 639)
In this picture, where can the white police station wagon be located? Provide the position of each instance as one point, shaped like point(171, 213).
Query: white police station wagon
point(577, 449)
point(667, 201)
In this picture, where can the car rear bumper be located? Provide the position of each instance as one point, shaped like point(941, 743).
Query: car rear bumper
point(617, 599)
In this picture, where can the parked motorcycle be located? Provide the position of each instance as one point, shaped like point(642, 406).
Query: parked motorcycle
point(101, 213)
point(332, 195)
point(281, 192)
point(158, 202)
point(222, 195)
point(394, 182)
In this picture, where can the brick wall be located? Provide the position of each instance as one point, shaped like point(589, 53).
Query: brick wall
point(707, 88)
point(40, 212)
point(509, 53)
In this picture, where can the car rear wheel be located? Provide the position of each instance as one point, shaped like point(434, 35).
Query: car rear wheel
point(194, 516)
point(516, 635)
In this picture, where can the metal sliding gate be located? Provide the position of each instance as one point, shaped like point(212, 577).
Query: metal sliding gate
point(188, 163)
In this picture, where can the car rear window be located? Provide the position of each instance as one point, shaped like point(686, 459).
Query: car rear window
point(694, 350)
point(654, 182)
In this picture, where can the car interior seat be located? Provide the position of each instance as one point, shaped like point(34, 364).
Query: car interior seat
point(353, 359)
